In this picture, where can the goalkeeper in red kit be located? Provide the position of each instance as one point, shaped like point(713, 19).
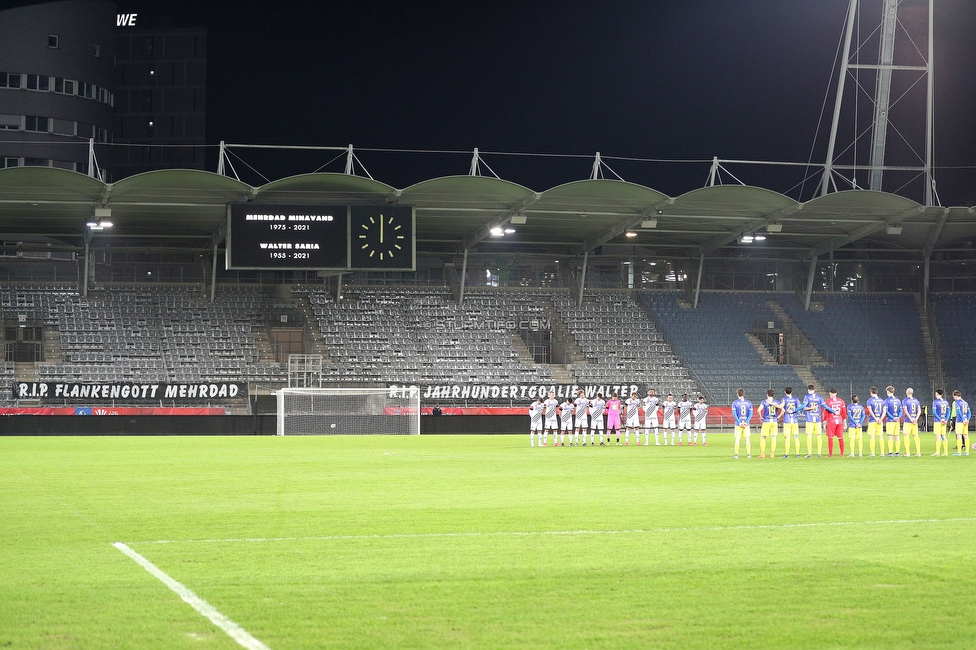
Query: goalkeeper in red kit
point(836, 414)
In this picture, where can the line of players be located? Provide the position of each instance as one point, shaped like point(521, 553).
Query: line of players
point(574, 418)
point(890, 417)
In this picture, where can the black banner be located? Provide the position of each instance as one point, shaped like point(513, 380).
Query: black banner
point(130, 392)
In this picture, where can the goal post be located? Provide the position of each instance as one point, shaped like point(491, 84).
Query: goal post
point(348, 411)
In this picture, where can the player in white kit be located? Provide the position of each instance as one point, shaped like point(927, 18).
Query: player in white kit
point(597, 407)
point(535, 421)
point(684, 417)
point(581, 405)
point(650, 418)
point(566, 422)
point(700, 415)
point(632, 411)
point(669, 406)
point(552, 420)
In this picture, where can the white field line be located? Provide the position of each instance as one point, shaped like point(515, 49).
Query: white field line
point(232, 629)
point(632, 531)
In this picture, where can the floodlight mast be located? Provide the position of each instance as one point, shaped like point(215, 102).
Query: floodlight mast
point(882, 101)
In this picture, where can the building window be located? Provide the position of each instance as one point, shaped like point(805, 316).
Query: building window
point(86, 90)
point(103, 95)
point(52, 41)
point(65, 86)
point(11, 162)
point(36, 162)
point(10, 122)
point(97, 50)
point(10, 79)
point(102, 135)
point(34, 123)
point(38, 82)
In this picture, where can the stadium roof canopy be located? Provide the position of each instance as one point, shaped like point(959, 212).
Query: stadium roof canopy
point(456, 213)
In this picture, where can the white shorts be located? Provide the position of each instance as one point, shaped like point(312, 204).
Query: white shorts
point(669, 423)
point(581, 422)
point(552, 423)
point(651, 422)
point(633, 422)
point(567, 425)
point(684, 423)
point(700, 426)
point(597, 423)
point(536, 426)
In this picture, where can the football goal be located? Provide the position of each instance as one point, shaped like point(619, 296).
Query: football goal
point(348, 411)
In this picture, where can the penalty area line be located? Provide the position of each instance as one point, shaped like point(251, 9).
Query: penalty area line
point(232, 629)
point(566, 533)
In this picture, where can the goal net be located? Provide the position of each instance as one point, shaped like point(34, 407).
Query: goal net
point(348, 411)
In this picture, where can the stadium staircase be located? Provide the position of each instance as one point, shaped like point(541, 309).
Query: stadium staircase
point(313, 332)
point(767, 358)
point(930, 340)
point(563, 341)
point(801, 345)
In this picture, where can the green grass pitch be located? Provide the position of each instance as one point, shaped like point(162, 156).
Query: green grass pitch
point(480, 542)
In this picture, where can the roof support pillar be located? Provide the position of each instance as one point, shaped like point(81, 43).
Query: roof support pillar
point(220, 159)
point(582, 287)
point(713, 174)
point(350, 158)
point(464, 277)
point(213, 273)
point(810, 276)
point(701, 267)
point(339, 287)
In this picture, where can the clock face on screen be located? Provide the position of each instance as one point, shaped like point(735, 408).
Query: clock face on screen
point(382, 238)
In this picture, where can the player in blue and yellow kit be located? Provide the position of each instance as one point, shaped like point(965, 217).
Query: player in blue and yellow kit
point(814, 406)
point(742, 414)
point(855, 418)
point(790, 406)
point(913, 410)
point(940, 417)
point(892, 417)
point(768, 415)
point(961, 414)
point(875, 410)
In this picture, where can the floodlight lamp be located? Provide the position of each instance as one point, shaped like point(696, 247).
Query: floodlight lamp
point(497, 232)
point(746, 239)
point(509, 231)
point(774, 227)
point(631, 233)
point(759, 238)
point(893, 230)
point(518, 220)
point(649, 223)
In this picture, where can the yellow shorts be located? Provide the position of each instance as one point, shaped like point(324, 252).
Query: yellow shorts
point(814, 428)
point(909, 429)
point(939, 428)
point(744, 429)
point(791, 429)
point(962, 428)
point(854, 431)
point(874, 429)
point(768, 429)
point(891, 428)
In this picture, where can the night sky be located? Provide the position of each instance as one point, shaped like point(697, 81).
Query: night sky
point(681, 80)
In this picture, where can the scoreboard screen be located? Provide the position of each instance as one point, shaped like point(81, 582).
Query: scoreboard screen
point(333, 237)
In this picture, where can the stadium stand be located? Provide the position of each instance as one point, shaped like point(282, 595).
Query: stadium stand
point(957, 331)
point(132, 333)
point(419, 335)
point(712, 339)
point(620, 342)
point(872, 339)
